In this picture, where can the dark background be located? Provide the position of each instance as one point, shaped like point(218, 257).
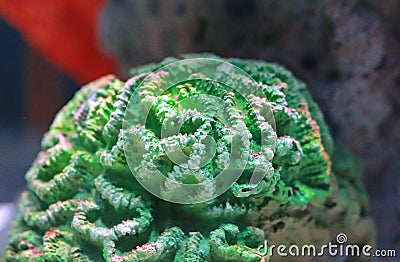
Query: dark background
point(31, 92)
point(348, 52)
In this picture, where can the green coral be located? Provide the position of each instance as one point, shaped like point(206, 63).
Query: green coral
point(83, 204)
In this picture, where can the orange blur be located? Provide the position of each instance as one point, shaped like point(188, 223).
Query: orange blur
point(64, 31)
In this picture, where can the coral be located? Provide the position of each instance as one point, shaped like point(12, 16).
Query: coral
point(84, 204)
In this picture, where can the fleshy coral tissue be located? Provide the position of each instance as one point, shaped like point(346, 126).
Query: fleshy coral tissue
point(83, 202)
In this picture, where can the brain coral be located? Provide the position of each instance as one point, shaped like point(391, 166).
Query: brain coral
point(84, 204)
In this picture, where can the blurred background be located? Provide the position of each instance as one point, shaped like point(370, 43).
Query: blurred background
point(348, 52)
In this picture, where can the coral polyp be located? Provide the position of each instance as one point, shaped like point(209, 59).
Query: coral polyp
point(85, 200)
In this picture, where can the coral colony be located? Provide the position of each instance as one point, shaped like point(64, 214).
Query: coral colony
point(83, 202)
